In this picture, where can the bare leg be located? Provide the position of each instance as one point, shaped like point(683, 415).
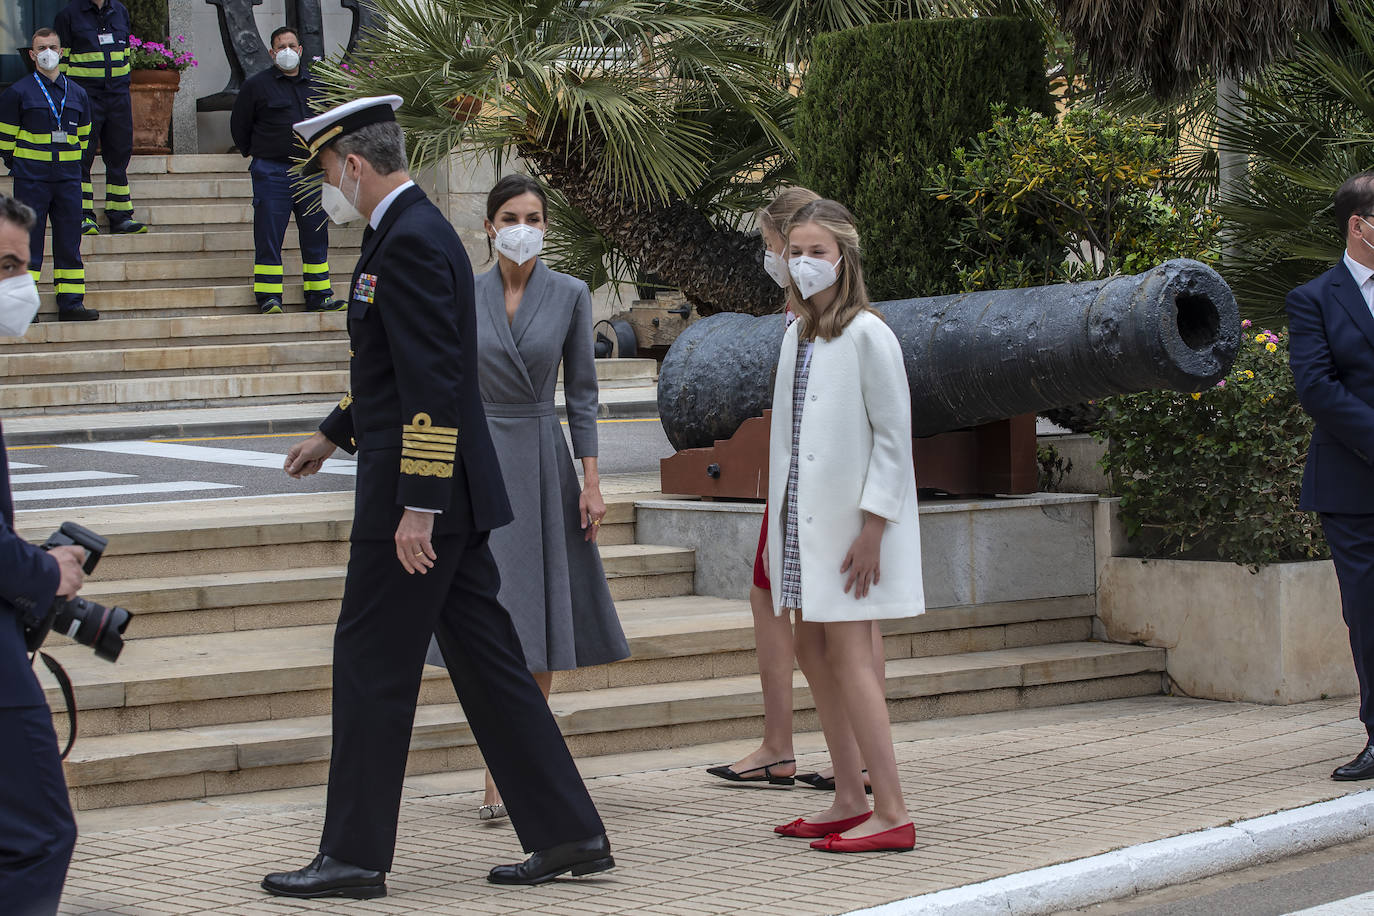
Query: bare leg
point(813, 654)
point(545, 681)
point(849, 658)
point(773, 645)
point(880, 666)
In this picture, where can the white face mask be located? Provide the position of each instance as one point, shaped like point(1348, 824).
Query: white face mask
point(48, 59)
point(520, 242)
point(338, 207)
point(1371, 226)
point(18, 304)
point(287, 59)
point(776, 267)
point(812, 274)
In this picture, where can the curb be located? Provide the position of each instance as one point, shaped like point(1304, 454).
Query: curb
point(1149, 866)
point(248, 426)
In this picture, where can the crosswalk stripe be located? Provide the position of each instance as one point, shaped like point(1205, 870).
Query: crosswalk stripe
point(64, 477)
point(131, 489)
point(239, 457)
point(21, 466)
point(1361, 905)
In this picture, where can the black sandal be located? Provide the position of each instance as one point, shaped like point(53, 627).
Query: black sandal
point(728, 774)
point(824, 783)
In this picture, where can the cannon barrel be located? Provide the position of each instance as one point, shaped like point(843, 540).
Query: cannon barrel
point(978, 357)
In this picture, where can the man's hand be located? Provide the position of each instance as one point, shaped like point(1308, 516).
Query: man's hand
point(308, 456)
point(69, 561)
point(413, 547)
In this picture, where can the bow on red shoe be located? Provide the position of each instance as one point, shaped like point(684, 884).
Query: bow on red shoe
point(898, 839)
point(804, 829)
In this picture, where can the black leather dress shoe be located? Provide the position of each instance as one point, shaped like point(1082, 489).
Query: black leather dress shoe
point(1362, 767)
point(581, 858)
point(326, 877)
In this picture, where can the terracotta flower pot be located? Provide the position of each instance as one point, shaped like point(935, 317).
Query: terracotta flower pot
point(464, 107)
point(151, 93)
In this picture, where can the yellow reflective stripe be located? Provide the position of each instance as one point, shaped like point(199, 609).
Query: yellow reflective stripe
point(26, 137)
point(267, 287)
point(86, 72)
point(33, 273)
point(274, 270)
point(83, 130)
point(316, 286)
point(69, 288)
point(69, 155)
point(39, 155)
point(116, 189)
point(83, 56)
point(8, 130)
point(316, 268)
point(118, 204)
point(69, 273)
point(121, 71)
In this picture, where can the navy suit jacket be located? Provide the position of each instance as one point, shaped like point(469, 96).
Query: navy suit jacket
point(1331, 352)
point(28, 584)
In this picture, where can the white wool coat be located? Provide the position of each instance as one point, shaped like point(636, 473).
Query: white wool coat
point(854, 456)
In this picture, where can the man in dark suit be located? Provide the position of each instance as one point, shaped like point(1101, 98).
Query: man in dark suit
point(1331, 351)
point(37, 832)
point(429, 489)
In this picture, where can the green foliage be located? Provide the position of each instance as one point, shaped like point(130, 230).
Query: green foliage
point(882, 104)
point(1306, 125)
point(1041, 201)
point(148, 18)
point(1217, 474)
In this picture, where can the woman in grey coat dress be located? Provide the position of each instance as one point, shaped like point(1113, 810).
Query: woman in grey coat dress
point(529, 320)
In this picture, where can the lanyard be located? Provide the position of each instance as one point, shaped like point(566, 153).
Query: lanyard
point(56, 112)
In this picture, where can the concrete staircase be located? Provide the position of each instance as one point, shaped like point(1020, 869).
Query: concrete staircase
point(179, 324)
point(225, 684)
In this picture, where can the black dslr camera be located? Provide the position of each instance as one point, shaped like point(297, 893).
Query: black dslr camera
point(91, 624)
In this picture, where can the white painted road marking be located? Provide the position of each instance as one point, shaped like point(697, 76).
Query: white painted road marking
point(21, 466)
point(131, 489)
point(1361, 905)
point(65, 477)
point(239, 457)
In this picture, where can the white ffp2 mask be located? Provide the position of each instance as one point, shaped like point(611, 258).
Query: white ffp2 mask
point(776, 267)
point(48, 59)
point(519, 243)
point(287, 59)
point(18, 304)
point(337, 206)
point(812, 274)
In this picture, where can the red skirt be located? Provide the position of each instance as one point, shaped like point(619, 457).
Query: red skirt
point(761, 578)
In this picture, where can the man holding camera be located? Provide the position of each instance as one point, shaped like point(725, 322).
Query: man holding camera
point(37, 831)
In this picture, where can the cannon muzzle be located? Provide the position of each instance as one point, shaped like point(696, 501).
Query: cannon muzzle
point(978, 357)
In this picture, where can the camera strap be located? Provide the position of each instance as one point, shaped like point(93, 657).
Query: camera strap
point(68, 697)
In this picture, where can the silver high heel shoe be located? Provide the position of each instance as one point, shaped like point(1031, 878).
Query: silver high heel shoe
point(488, 813)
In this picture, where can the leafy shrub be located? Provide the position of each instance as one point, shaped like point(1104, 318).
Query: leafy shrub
point(1041, 201)
point(148, 18)
point(881, 104)
point(1217, 474)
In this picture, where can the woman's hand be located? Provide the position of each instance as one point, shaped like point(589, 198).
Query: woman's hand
point(861, 563)
point(591, 509)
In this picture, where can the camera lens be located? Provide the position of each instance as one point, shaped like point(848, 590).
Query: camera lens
point(101, 628)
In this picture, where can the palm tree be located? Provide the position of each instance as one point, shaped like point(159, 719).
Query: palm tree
point(1306, 124)
point(661, 126)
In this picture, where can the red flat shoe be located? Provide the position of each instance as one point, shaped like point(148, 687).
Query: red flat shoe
point(805, 830)
point(898, 839)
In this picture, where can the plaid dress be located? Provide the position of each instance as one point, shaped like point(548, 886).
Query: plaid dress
point(791, 594)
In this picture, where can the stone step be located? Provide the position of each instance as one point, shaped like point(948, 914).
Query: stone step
point(264, 670)
point(219, 330)
point(155, 302)
point(221, 241)
point(162, 391)
point(197, 761)
point(187, 362)
point(199, 188)
point(108, 273)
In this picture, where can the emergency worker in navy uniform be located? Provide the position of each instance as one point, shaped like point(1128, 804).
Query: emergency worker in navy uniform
point(37, 832)
point(429, 489)
point(95, 37)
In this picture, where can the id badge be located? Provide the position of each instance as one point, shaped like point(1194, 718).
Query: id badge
point(59, 136)
point(106, 38)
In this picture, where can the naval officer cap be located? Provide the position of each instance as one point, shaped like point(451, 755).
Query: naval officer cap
point(323, 129)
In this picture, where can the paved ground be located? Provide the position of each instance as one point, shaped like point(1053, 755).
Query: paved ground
point(185, 470)
point(990, 795)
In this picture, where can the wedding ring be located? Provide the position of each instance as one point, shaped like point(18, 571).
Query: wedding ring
point(596, 523)
point(419, 553)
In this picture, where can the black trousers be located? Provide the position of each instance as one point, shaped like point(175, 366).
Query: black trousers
point(59, 203)
point(1351, 538)
point(379, 656)
point(112, 135)
point(37, 832)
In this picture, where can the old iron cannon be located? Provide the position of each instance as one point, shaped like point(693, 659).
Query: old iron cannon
point(975, 358)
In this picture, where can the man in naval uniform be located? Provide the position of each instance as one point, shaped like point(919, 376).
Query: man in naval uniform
point(429, 489)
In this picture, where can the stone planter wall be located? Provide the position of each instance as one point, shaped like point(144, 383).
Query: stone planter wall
point(1275, 636)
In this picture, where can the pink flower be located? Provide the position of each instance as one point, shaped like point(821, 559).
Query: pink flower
point(1221, 384)
point(1246, 323)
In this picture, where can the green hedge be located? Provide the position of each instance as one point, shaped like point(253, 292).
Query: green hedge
point(149, 18)
point(882, 104)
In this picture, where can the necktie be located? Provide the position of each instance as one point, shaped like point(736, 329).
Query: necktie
point(367, 234)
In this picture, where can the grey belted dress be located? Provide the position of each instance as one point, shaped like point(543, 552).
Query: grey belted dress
point(552, 580)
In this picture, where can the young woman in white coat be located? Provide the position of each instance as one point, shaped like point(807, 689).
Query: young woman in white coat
point(773, 762)
point(844, 543)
